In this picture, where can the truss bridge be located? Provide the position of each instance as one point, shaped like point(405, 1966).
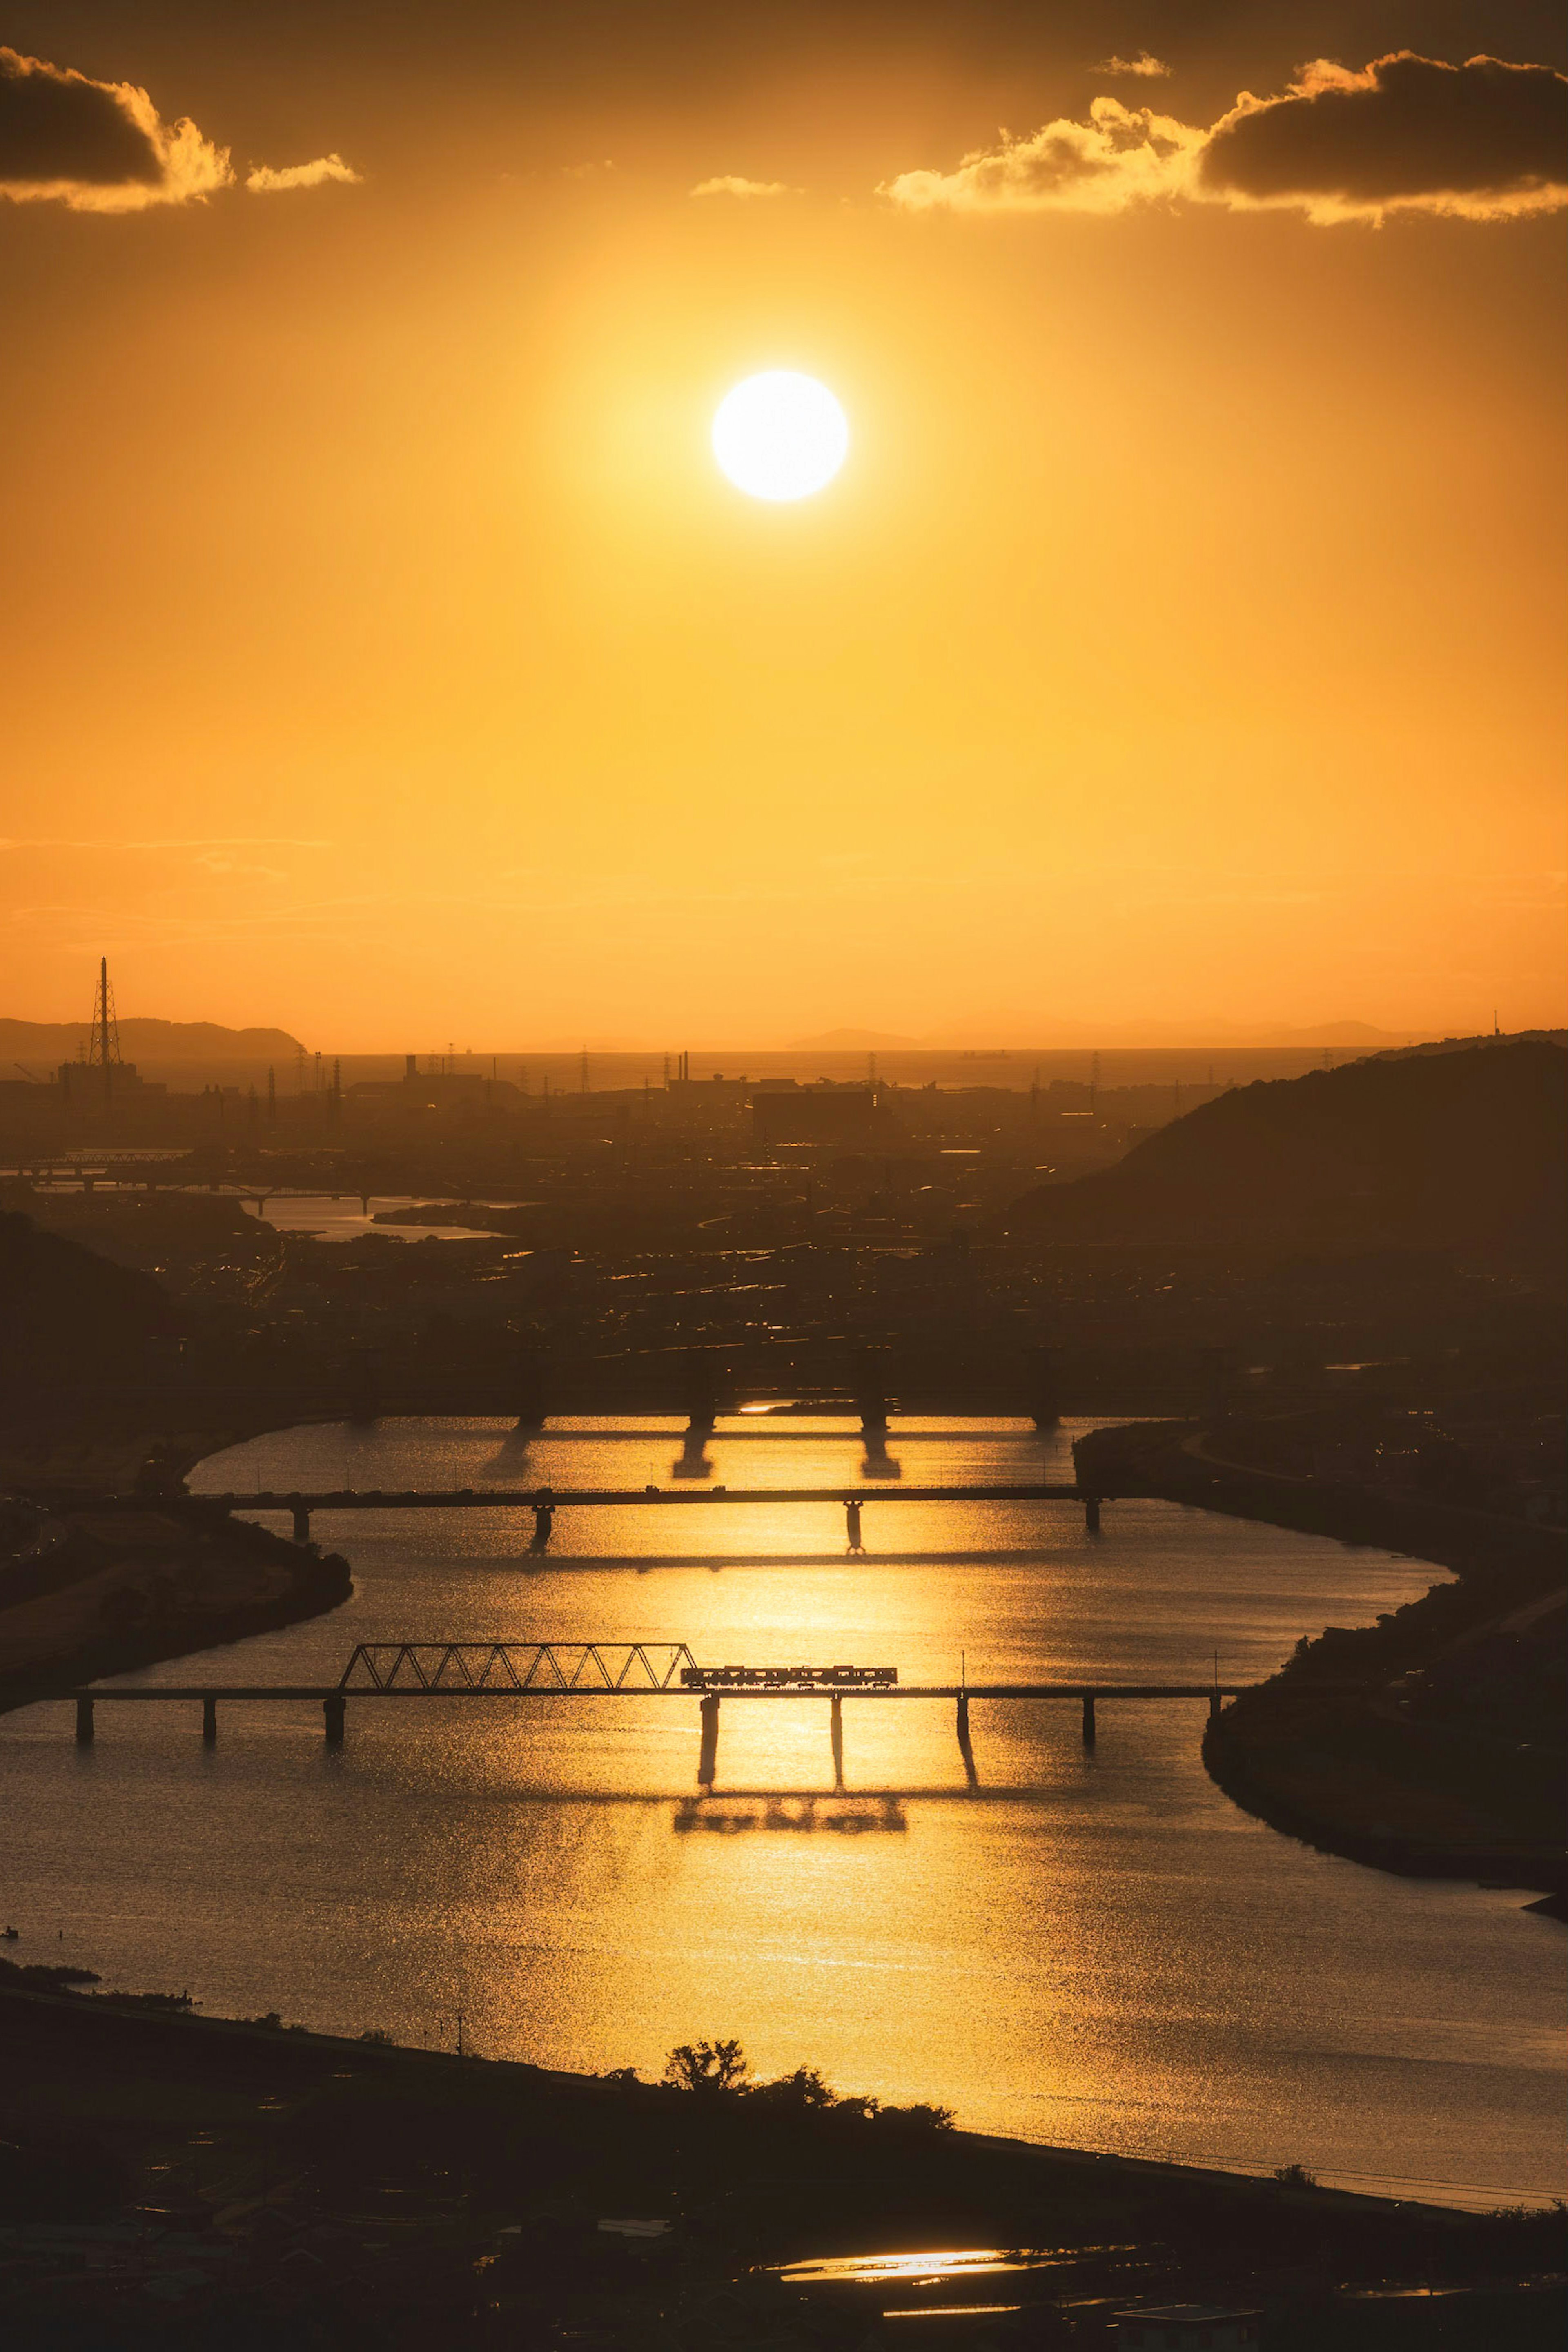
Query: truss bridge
point(468, 1668)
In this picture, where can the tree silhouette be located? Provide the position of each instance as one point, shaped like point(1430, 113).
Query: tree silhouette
point(707, 2067)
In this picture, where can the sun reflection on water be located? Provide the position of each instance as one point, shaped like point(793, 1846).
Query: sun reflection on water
point(1094, 1948)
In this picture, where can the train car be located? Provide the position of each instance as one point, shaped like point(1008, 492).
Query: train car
point(787, 1678)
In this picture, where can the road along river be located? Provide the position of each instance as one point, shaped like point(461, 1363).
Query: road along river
point(1095, 1948)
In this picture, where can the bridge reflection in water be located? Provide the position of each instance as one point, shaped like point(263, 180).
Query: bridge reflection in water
point(736, 1813)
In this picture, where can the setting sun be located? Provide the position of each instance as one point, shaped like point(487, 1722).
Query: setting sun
point(780, 436)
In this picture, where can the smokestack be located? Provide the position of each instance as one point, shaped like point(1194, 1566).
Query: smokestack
point(411, 1065)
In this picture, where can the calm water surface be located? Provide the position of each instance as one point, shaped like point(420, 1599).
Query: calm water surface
point(1097, 1950)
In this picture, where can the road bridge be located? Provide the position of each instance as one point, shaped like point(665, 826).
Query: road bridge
point(520, 1672)
point(544, 1501)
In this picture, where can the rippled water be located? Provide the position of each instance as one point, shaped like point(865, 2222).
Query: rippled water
point(1094, 1948)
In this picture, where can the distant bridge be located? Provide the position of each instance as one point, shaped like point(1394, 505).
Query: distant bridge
point(544, 1501)
point(520, 1671)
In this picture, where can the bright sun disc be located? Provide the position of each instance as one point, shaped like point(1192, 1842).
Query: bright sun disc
point(780, 436)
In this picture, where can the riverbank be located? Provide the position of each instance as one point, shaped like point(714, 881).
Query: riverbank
point(1429, 1743)
point(111, 1591)
point(254, 2177)
point(104, 1590)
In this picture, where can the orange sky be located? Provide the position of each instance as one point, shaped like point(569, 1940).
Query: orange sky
point(386, 658)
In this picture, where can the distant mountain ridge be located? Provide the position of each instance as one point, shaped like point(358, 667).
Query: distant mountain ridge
point(1457, 1148)
point(144, 1040)
point(1017, 1032)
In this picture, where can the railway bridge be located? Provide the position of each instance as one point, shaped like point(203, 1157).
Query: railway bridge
point(518, 1672)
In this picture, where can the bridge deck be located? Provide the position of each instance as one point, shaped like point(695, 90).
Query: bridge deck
point(601, 1497)
point(153, 1691)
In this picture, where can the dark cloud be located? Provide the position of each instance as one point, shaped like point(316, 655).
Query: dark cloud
point(1484, 139)
point(96, 146)
point(103, 147)
point(58, 126)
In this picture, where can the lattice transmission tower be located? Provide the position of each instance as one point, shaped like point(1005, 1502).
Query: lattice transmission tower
point(103, 1044)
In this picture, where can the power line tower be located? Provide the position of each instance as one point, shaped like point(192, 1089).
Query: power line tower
point(582, 1066)
point(103, 1045)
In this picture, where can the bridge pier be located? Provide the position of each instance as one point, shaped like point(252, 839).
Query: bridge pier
point(84, 1723)
point(707, 1761)
point(836, 1733)
point(209, 1723)
point(334, 1708)
point(965, 1750)
point(852, 1526)
point(1092, 1514)
point(1088, 1718)
point(301, 1522)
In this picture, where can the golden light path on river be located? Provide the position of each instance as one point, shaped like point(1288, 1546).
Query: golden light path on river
point(1096, 1948)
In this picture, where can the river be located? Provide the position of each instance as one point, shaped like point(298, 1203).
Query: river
point(1095, 1948)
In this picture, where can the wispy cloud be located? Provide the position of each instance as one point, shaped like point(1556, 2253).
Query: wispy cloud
point(1143, 66)
point(1120, 157)
point(266, 181)
point(731, 183)
point(1484, 141)
point(200, 841)
point(103, 147)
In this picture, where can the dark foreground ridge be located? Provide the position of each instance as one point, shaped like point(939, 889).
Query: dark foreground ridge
point(1467, 1149)
point(246, 2185)
point(1430, 1743)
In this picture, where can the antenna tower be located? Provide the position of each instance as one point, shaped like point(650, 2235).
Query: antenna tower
point(103, 1046)
point(103, 1049)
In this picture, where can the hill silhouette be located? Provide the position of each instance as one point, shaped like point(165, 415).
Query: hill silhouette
point(146, 1040)
point(1467, 1149)
point(66, 1312)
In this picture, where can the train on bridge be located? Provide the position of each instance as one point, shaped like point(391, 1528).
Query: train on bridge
point(787, 1678)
